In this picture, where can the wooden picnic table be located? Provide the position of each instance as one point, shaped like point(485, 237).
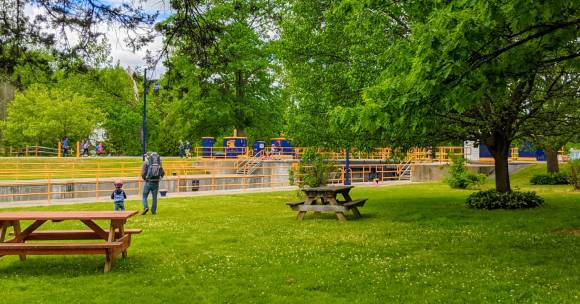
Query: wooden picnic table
point(116, 239)
point(324, 199)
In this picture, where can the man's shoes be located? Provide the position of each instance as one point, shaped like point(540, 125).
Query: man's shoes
point(145, 211)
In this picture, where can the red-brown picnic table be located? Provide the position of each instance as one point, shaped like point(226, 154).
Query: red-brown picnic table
point(116, 239)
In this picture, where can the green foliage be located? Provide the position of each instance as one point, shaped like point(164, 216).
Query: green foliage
point(43, 115)
point(560, 178)
point(476, 70)
point(459, 177)
point(227, 80)
point(331, 51)
point(574, 175)
point(492, 199)
point(314, 170)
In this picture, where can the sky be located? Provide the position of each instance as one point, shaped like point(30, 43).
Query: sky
point(120, 52)
point(123, 54)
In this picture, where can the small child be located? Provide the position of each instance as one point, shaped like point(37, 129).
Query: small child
point(118, 196)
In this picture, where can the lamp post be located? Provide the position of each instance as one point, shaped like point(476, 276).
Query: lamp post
point(347, 168)
point(144, 128)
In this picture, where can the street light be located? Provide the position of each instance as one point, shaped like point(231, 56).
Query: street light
point(144, 135)
point(144, 128)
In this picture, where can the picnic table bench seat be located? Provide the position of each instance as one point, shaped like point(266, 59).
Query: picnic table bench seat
point(356, 203)
point(74, 234)
point(108, 249)
point(57, 248)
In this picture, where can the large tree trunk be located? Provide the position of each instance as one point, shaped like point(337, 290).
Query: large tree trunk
point(499, 147)
point(552, 160)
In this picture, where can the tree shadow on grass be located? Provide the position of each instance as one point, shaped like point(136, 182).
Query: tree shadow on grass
point(68, 266)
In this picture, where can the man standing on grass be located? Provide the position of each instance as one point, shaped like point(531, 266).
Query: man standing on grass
point(151, 172)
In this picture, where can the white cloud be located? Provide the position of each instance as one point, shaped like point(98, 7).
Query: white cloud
point(120, 52)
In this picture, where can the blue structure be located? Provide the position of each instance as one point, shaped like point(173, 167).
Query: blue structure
point(258, 146)
point(484, 152)
point(527, 150)
point(207, 146)
point(235, 146)
point(283, 145)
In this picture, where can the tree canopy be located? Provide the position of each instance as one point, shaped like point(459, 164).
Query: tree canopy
point(472, 71)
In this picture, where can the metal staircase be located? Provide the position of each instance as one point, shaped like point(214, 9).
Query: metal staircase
point(405, 170)
point(248, 165)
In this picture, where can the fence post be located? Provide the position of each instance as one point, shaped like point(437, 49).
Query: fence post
point(97, 187)
point(49, 190)
point(59, 150)
point(78, 149)
point(26, 151)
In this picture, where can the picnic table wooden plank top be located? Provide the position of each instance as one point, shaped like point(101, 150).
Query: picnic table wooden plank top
point(66, 215)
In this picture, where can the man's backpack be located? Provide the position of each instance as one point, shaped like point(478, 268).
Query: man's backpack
point(155, 169)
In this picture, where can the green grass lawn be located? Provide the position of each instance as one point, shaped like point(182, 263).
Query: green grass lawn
point(415, 244)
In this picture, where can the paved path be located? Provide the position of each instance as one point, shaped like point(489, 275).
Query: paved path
point(175, 195)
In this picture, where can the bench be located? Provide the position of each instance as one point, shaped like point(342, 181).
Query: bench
point(343, 207)
point(356, 203)
point(109, 249)
point(51, 235)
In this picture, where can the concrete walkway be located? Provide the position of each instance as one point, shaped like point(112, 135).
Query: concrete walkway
point(176, 195)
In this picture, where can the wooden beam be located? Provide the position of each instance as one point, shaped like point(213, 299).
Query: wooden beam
point(96, 228)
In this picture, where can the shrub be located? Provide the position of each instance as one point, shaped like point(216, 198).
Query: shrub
point(574, 175)
point(460, 178)
point(313, 170)
point(550, 179)
point(492, 199)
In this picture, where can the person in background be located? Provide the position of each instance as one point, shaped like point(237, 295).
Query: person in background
point(65, 147)
point(85, 148)
point(100, 149)
point(119, 196)
point(273, 149)
point(181, 149)
point(187, 149)
point(151, 172)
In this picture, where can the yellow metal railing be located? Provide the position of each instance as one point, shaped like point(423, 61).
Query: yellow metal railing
point(213, 179)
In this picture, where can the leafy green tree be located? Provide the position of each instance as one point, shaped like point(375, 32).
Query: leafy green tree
point(110, 90)
point(331, 51)
point(469, 70)
point(559, 122)
point(222, 74)
point(21, 31)
point(43, 115)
